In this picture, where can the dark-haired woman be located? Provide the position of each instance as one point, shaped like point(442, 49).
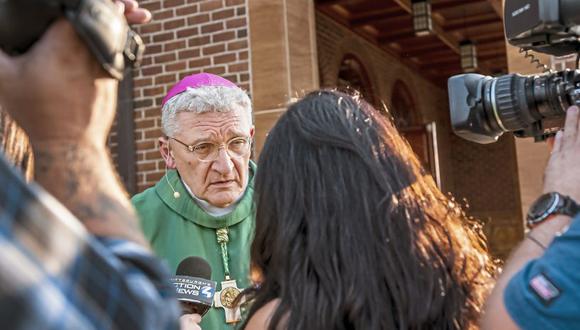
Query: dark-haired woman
point(351, 233)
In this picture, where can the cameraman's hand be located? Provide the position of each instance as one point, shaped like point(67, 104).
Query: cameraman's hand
point(563, 170)
point(57, 91)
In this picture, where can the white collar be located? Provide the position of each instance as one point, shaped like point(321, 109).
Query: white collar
point(210, 209)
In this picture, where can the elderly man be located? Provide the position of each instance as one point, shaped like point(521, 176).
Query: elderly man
point(203, 205)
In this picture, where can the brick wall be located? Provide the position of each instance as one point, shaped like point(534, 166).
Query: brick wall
point(113, 143)
point(184, 37)
point(485, 176)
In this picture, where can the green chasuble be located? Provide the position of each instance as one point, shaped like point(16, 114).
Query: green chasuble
point(178, 228)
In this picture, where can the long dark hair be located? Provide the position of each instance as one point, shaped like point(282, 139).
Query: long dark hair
point(351, 232)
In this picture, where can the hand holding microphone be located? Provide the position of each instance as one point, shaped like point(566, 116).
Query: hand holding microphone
point(190, 322)
point(193, 286)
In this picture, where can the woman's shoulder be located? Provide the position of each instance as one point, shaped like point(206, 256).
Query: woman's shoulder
point(261, 319)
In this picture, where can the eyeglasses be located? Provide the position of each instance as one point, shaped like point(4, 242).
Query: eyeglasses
point(208, 151)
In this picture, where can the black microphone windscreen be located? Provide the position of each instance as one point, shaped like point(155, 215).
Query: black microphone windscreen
point(194, 267)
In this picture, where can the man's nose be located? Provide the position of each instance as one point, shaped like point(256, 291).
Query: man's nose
point(223, 163)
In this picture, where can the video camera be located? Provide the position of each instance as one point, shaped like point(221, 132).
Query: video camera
point(483, 107)
point(98, 22)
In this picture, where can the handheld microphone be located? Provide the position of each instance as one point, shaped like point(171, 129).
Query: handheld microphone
point(193, 286)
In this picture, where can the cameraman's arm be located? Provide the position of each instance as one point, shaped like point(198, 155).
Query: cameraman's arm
point(531, 268)
point(62, 98)
point(495, 314)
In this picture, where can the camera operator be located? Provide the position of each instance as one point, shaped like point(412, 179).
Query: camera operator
point(539, 287)
point(94, 271)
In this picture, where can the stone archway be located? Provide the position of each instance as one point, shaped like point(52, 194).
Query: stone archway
point(421, 136)
point(352, 76)
point(403, 106)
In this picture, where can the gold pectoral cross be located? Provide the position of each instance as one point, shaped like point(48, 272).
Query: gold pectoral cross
point(225, 299)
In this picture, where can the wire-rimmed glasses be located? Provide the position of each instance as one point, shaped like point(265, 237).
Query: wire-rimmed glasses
point(208, 151)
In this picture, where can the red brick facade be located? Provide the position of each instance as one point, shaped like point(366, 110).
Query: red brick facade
point(184, 37)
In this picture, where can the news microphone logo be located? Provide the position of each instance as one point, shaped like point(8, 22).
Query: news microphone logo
point(193, 285)
point(194, 289)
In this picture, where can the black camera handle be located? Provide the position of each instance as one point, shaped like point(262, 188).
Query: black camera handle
point(106, 33)
point(99, 23)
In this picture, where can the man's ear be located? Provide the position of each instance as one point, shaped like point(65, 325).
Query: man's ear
point(252, 131)
point(166, 153)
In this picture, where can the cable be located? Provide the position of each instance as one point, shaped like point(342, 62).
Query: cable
point(176, 194)
point(534, 60)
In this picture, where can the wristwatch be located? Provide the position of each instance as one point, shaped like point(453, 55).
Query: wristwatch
point(550, 204)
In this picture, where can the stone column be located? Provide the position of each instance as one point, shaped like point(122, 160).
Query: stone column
point(283, 58)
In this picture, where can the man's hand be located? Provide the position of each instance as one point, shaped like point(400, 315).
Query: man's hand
point(563, 170)
point(190, 322)
point(60, 64)
point(57, 91)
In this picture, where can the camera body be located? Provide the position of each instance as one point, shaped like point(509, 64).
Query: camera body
point(483, 108)
point(546, 26)
point(98, 22)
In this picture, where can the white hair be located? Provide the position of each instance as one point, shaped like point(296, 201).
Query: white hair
point(201, 100)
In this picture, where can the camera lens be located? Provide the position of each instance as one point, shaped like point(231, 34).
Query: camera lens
point(508, 105)
point(483, 108)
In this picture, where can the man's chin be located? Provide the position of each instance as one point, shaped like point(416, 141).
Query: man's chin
point(224, 199)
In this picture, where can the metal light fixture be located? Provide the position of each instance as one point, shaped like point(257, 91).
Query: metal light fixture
point(468, 54)
point(422, 21)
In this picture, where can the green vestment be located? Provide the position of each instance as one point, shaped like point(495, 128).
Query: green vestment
point(178, 228)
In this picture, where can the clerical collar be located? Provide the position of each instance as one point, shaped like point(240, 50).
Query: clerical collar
point(210, 209)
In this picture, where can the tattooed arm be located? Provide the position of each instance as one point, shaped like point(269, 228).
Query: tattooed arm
point(82, 177)
point(66, 103)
